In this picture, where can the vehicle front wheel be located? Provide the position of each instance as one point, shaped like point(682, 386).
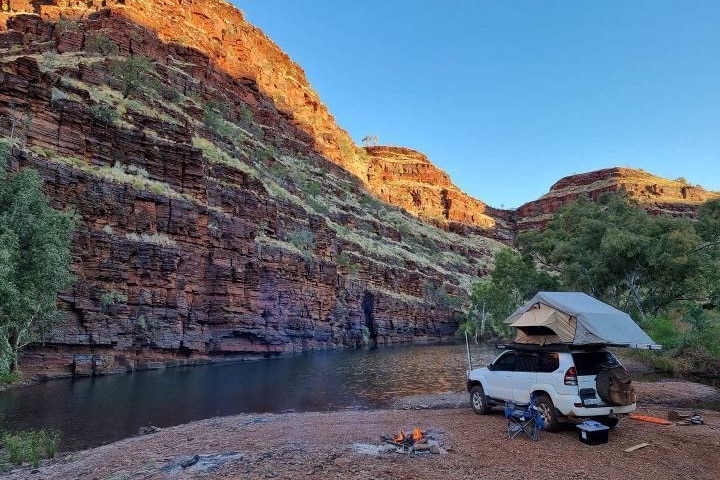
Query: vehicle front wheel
point(548, 413)
point(478, 400)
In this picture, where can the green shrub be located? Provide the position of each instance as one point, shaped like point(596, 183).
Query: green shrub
point(135, 73)
point(101, 44)
point(220, 127)
point(31, 445)
point(4, 152)
point(35, 262)
point(246, 114)
point(311, 188)
point(440, 296)
point(303, 239)
point(343, 259)
point(353, 269)
point(279, 170)
point(318, 206)
point(66, 25)
point(104, 113)
point(57, 96)
point(664, 331)
point(8, 378)
point(371, 204)
point(112, 297)
point(169, 93)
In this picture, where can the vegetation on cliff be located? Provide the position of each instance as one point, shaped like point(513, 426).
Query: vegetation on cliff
point(665, 271)
point(210, 220)
point(34, 261)
point(222, 209)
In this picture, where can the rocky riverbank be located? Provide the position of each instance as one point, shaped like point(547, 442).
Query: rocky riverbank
point(345, 445)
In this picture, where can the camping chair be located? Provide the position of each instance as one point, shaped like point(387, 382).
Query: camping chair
point(523, 419)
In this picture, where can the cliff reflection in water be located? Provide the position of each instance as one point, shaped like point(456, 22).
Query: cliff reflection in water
point(94, 411)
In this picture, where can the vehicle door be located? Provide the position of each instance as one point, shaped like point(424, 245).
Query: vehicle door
point(525, 376)
point(499, 377)
point(548, 370)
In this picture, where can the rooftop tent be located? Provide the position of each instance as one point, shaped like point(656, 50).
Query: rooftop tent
point(575, 318)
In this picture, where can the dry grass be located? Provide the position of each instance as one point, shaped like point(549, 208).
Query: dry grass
point(154, 238)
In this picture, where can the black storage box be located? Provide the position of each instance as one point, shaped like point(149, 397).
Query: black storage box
point(592, 432)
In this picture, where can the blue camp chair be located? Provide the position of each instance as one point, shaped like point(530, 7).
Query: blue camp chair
point(523, 419)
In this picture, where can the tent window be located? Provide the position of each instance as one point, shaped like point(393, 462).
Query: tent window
point(536, 330)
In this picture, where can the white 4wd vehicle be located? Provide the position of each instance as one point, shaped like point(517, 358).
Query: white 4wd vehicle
point(564, 381)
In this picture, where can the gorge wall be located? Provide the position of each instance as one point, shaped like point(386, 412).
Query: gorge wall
point(213, 223)
point(406, 178)
point(223, 212)
point(656, 194)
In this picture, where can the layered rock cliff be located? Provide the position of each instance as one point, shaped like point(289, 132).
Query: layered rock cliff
point(215, 220)
point(223, 212)
point(658, 195)
point(241, 50)
point(406, 178)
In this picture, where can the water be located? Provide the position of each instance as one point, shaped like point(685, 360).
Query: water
point(94, 411)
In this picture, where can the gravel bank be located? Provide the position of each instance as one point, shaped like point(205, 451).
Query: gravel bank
point(343, 445)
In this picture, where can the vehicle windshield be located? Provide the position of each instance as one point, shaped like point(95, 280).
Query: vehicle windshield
point(590, 363)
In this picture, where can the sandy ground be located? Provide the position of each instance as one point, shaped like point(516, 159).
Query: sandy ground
point(344, 445)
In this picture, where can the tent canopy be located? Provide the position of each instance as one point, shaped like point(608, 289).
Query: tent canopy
point(578, 319)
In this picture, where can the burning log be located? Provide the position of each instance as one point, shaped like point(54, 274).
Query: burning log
point(415, 442)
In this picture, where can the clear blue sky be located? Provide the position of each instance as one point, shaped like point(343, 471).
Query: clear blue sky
point(509, 96)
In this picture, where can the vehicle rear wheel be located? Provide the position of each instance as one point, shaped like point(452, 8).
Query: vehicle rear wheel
point(548, 413)
point(478, 400)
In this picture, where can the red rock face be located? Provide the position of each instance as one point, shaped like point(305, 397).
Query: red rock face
point(240, 50)
point(249, 236)
point(406, 178)
point(195, 245)
point(656, 194)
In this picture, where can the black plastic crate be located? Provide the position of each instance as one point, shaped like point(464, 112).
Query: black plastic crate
point(592, 432)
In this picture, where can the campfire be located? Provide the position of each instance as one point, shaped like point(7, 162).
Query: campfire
point(414, 442)
point(407, 439)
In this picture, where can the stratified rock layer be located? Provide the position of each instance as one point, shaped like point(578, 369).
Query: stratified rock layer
point(406, 178)
point(223, 212)
point(658, 195)
point(241, 50)
point(212, 224)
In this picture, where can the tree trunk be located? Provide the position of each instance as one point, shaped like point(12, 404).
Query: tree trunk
point(482, 322)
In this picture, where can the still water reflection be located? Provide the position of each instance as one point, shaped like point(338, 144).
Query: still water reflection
point(93, 411)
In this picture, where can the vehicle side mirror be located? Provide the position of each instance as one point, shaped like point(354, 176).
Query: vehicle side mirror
point(491, 366)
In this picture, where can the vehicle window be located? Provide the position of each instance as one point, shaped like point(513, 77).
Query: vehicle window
point(526, 362)
point(505, 362)
point(548, 362)
point(590, 363)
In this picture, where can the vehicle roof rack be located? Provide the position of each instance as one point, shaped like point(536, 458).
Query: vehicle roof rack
point(553, 347)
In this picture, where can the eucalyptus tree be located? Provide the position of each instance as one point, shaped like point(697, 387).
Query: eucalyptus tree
point(34, 261)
